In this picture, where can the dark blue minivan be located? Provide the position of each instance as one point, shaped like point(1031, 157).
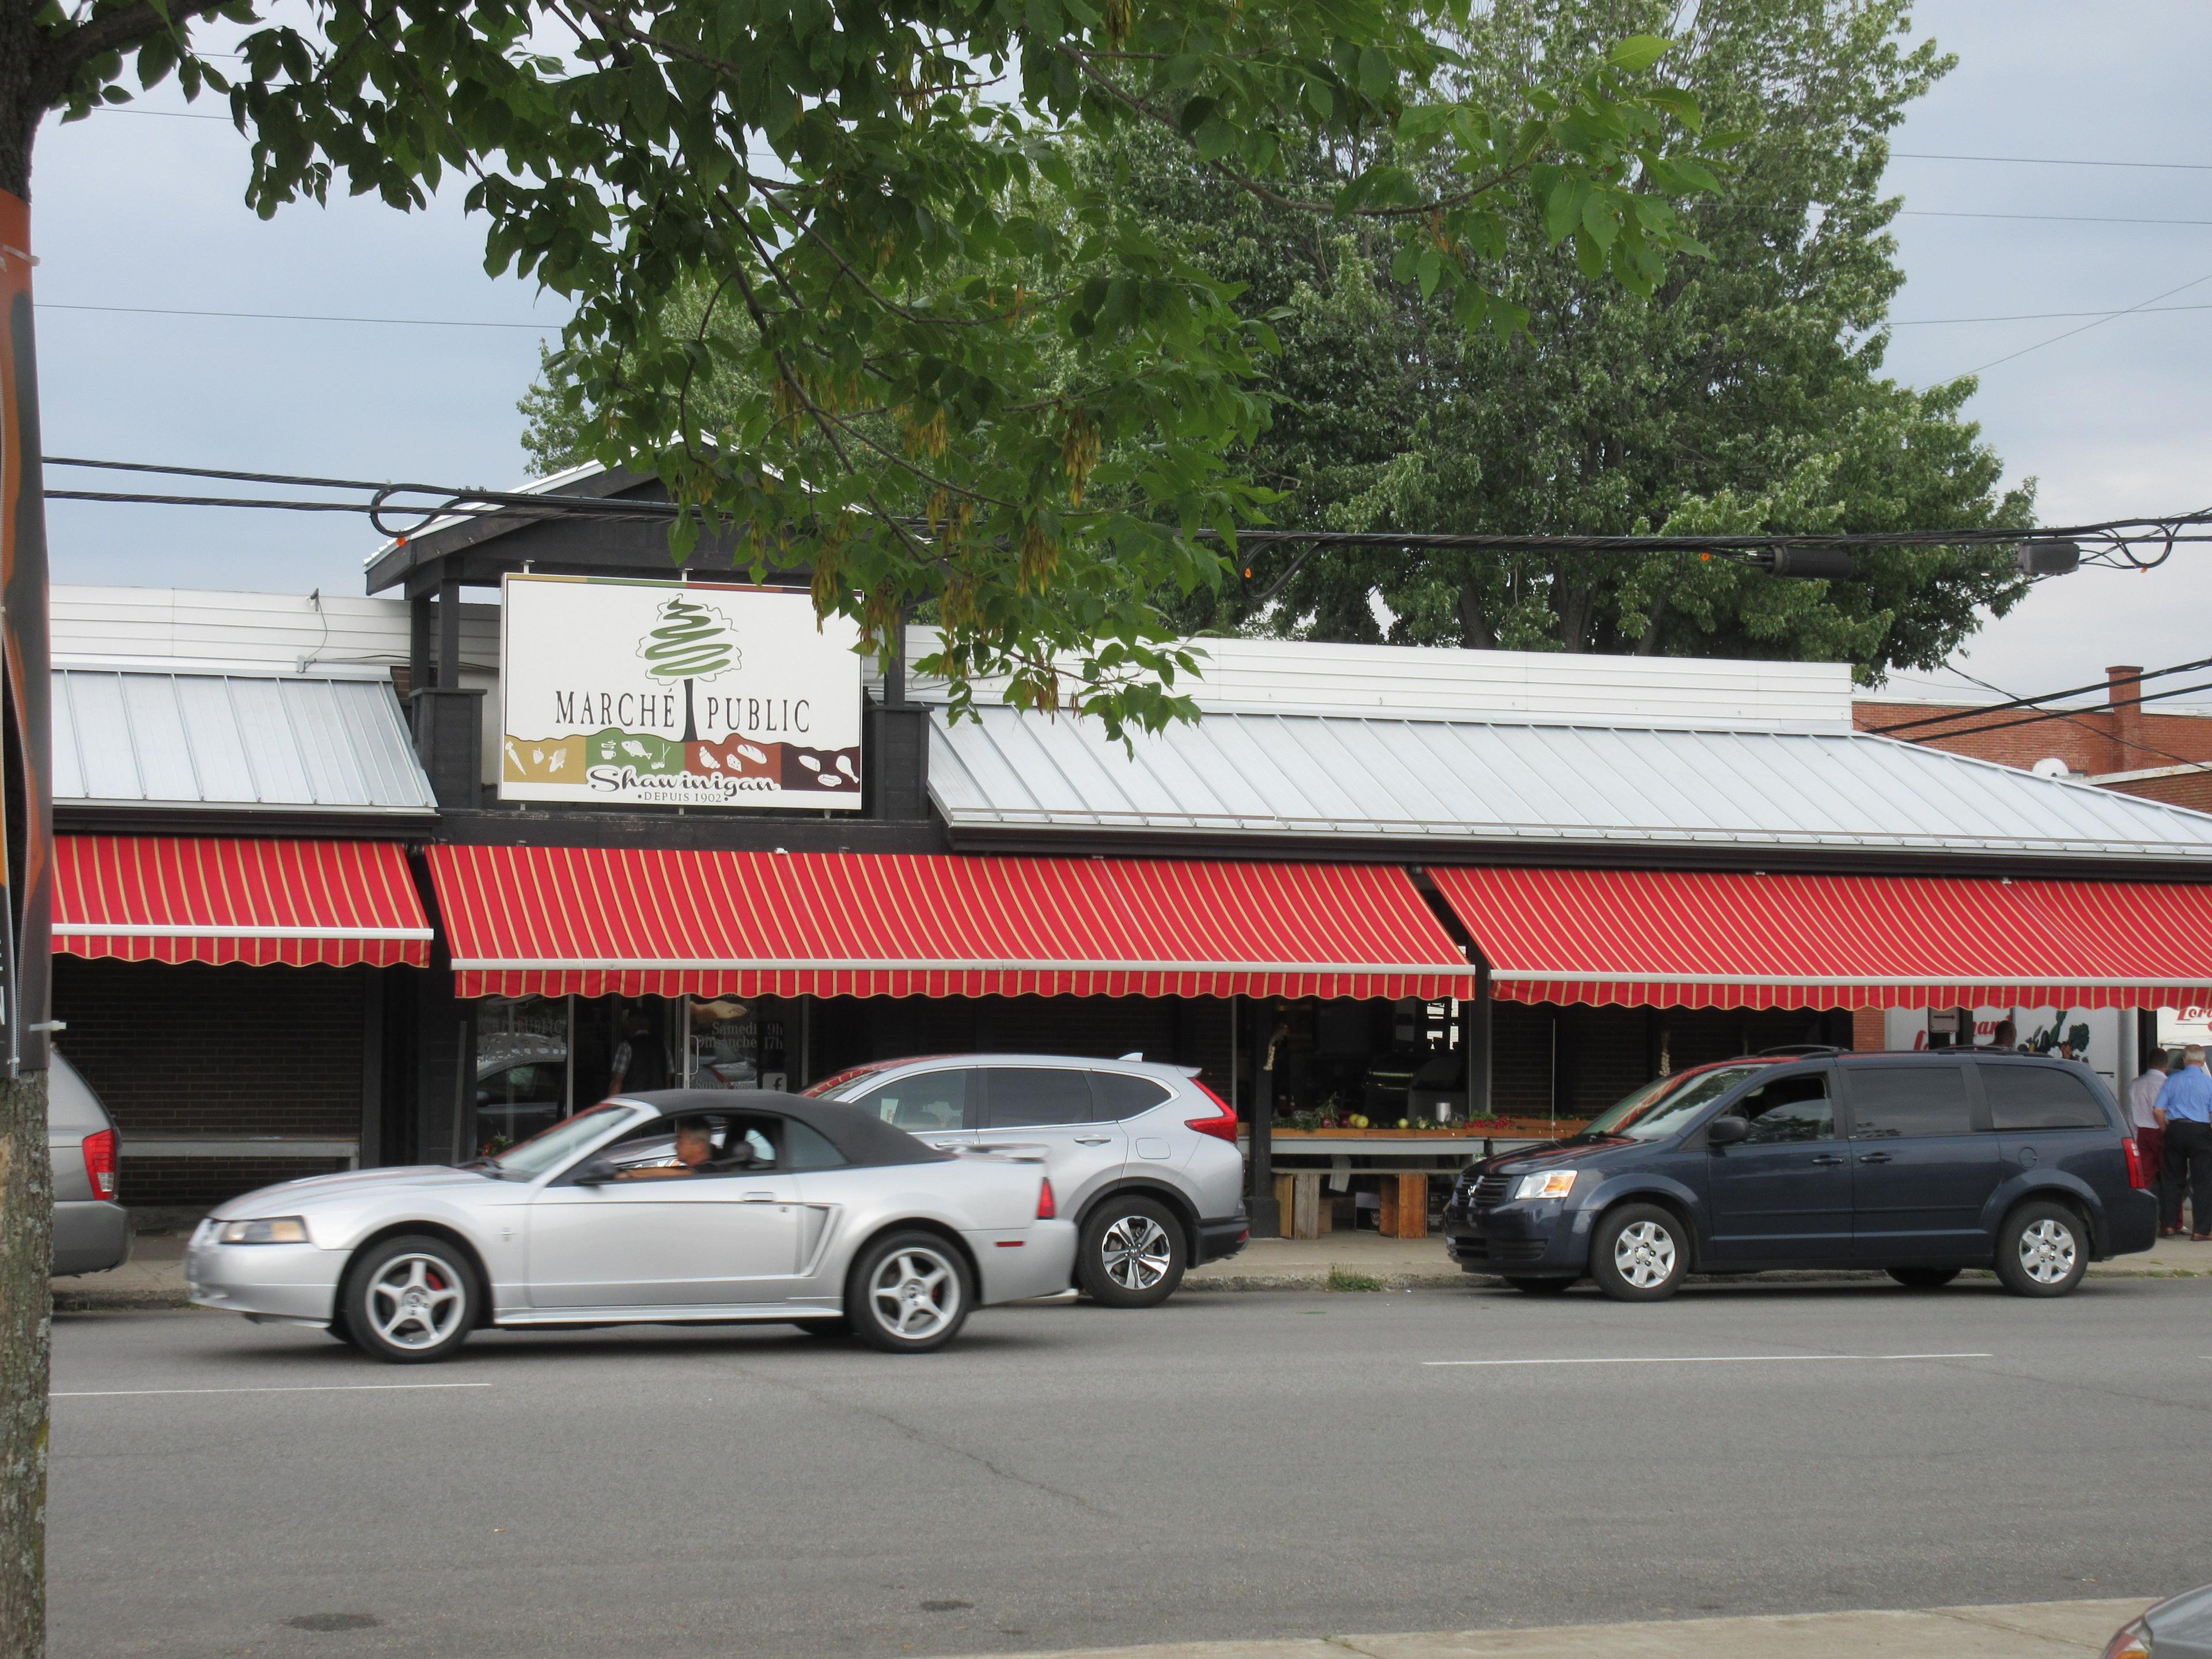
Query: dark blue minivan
point(1920, 1164)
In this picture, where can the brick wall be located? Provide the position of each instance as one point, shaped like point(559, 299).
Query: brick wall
point(190, 1050)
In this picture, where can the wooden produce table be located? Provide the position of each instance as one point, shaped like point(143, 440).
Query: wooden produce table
point(1301, 1158)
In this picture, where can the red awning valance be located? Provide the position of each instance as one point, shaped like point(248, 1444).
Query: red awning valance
point(1703, 940)
point(299, 903)
point(593, 921)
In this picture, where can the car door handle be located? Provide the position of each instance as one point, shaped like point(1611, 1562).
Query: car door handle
point(1874, 1157)
point(756, 1198)
point(1093, 1140)
point(1828, 1157)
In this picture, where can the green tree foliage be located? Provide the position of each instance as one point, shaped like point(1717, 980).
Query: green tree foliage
point(943, 370)
point(1745, 396)
point(964, 378)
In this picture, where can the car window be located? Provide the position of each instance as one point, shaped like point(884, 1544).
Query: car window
point(1664, 1107)
point(926, 1102)
point(1120, 1094)
point(807, 1148)
point(557, 1144)
point(1891, 1101)
point(1028, 1097)
point(733, 1143)
point(1789, 1109)
point(2039, 1097)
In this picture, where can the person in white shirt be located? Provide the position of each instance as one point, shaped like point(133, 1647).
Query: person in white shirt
point(2149, 1121)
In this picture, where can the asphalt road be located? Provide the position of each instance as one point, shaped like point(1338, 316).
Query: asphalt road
point(1065, 1476)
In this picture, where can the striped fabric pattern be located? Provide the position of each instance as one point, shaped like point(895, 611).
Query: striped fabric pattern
point(297, 904)
point(662, 922)
point(1642, 938)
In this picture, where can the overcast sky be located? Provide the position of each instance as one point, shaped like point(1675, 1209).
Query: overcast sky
point(136, 209)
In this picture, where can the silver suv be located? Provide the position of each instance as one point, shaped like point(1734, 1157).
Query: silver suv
point(92, 1231)
point(1142, 1157)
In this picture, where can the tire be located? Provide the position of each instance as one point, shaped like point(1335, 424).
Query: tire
point(838, 1327)
point(2042, 1249)
point(1922, 1279)
point(910, 1292)
point(1640, 1254)
point(1131, 1253)
point(1539, 1286)
point(410, 1301)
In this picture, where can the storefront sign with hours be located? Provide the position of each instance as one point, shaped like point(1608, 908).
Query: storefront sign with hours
point(677, 694)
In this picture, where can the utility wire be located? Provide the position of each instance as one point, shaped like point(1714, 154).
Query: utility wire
point(2043, 715)
point(2049, 161)
point(1982, 710)
point(2078, 719)
point(2197, 282)
point(299, 317)
point(2052, 218)
point(2038, 316)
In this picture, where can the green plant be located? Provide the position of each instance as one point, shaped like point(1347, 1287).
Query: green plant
point(1343, 1279)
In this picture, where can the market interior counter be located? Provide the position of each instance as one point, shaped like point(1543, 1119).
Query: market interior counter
point(1387, 1174)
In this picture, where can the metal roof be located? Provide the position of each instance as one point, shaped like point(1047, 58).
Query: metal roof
point(149, 736)
point(1530, 784)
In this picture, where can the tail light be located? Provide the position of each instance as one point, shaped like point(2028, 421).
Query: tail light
point(1046, 1209)
point(2141, 1175)
point(1222, 1125)
point(99, 1162)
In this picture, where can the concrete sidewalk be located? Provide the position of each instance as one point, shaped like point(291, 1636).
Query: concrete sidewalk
point(2040, 1630)
point(155, 1275)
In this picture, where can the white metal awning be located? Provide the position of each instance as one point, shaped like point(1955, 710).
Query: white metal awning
point(1429, 783)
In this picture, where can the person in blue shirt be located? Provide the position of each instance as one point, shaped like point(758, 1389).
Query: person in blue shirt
point(2185, 1103)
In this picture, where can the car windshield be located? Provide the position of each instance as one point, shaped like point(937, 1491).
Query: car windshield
point(1663, 1106)
point(551, 1148)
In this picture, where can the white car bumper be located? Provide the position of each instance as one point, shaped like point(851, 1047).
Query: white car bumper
point(281, 1281)
point(1038, 1259)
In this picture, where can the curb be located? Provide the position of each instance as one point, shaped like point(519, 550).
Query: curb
point(1308, 1281)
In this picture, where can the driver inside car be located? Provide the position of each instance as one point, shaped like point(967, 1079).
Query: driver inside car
point(695, 1153)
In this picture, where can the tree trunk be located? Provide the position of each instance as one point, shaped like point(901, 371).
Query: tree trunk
point(691, 726)
point(25, 1251)
point(1475, 633)
point(1648, 645)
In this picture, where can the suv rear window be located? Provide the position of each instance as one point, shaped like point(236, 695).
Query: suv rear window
point(1889, 1101)
point(1120, 1095)
point(2039, 1097)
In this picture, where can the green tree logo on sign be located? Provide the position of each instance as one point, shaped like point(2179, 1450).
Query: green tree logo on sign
point(691, 641)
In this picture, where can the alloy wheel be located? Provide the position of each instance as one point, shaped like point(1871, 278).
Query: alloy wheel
point(1644, 1255)
point(415, 1302)
point(916, 1293)
point(1136, 1252)
point(2047, 1250)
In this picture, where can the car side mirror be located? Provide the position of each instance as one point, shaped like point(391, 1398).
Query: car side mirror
point(1726, 1131)
point(595, 1172)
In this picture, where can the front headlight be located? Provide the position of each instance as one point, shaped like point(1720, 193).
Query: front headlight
point(1552, 1183)
point(275, 1230)
point(2130, 1641)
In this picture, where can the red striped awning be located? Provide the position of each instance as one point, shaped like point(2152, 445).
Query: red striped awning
point(299, 903)
point(595, 921)
point(1647, 937)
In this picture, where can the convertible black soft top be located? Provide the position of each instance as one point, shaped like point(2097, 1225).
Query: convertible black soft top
point(862, 1137)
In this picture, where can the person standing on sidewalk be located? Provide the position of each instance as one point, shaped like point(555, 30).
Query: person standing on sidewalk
point(2149, 1122)
point(2185, 1103)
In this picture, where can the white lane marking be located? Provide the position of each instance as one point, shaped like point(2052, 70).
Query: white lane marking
point(305, 1388)
point(1710, 1360)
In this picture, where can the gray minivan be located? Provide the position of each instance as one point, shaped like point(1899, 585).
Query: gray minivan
point(92, 1231)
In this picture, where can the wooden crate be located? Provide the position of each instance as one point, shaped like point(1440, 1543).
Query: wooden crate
point(1405, 1206)
point(1304, 1208)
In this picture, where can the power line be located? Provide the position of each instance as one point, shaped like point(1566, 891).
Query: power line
point(168, 114)
point(2040, 316)
point(297, 317)
point(2193, 282)
point(1982, 710)
point(2049, 161)
point(2052, 218)
point(2078, 719)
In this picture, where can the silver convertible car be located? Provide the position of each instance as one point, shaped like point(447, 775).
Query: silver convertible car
point(684, 1207)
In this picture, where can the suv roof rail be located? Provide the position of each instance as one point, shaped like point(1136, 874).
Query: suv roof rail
point(1794, 1049)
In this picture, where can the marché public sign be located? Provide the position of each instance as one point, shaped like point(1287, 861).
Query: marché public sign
point(676, 694)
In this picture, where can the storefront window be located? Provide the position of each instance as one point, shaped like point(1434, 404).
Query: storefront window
point(522, 1069)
